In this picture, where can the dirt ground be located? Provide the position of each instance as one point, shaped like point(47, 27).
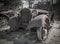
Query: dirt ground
point(54, 34)
point(24, 37)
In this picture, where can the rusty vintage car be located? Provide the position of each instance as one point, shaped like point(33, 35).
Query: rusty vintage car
point(27, 19)
point(36, 19)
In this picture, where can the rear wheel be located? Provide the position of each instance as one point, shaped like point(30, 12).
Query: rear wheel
point(4, 23)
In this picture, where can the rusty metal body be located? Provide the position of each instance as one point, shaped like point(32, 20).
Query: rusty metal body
point(28, 20)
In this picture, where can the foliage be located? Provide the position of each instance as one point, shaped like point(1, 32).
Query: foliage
point(41, 5)
point(10, 4)
point(30, 3)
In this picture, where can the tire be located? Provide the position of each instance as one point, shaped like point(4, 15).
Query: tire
point(42, 34)
point(39, 34)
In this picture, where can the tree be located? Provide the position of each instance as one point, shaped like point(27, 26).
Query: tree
point(30, 3)
point(10, 4)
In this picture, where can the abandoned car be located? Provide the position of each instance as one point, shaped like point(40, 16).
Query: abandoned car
point(27, 19)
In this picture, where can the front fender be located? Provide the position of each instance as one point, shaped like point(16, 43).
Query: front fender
point(34, 23)
point(38, 21)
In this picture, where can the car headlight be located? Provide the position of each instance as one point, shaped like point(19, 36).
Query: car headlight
point(34, 13)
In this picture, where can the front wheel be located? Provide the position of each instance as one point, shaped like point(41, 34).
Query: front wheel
point(42, 33)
